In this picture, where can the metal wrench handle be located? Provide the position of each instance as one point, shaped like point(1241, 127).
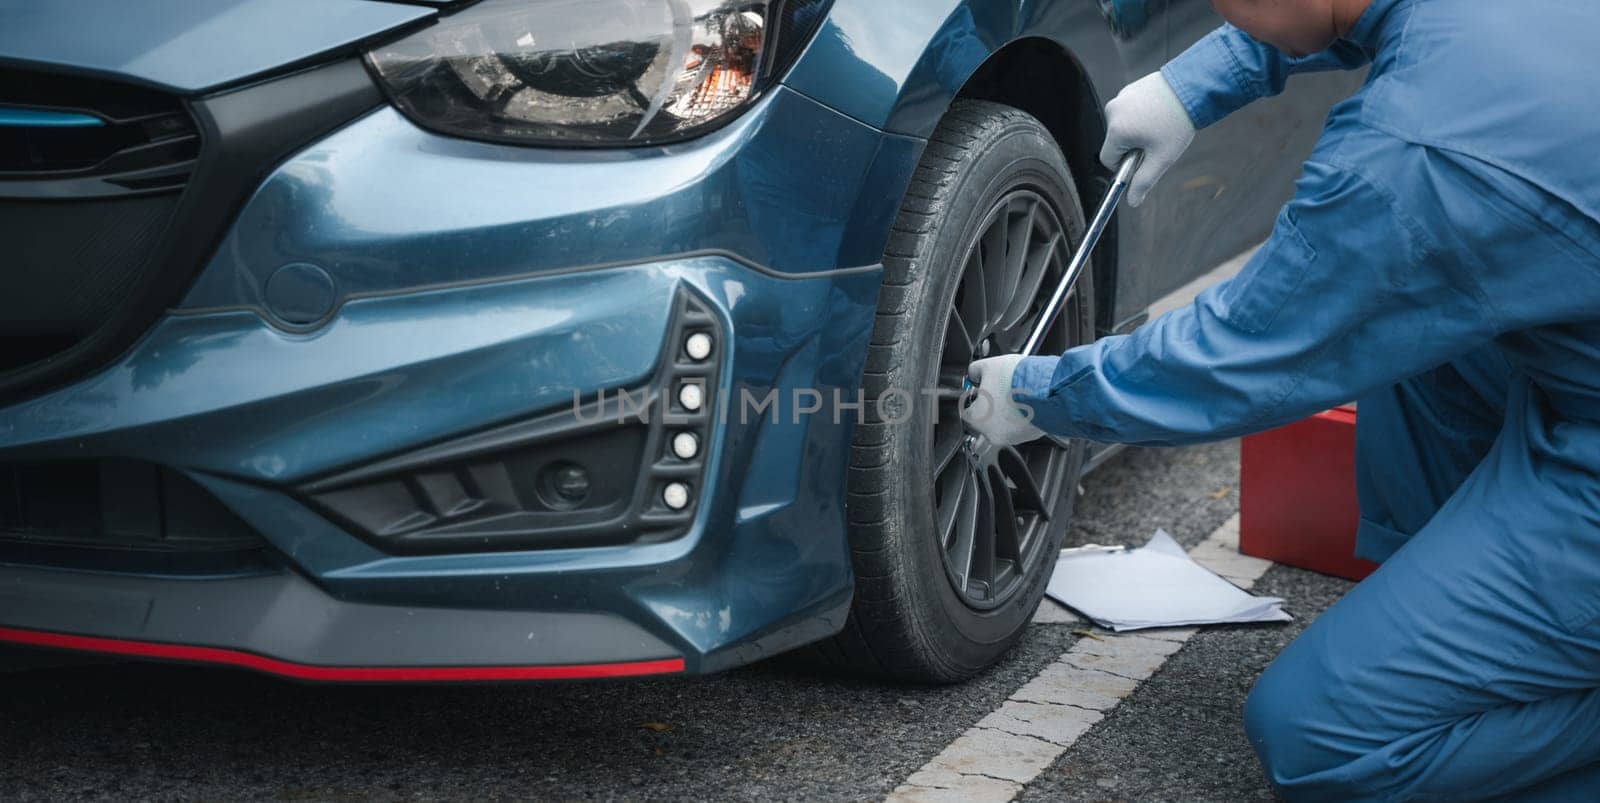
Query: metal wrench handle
point(1080, 260)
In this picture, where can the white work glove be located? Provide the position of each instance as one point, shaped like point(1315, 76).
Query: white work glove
point(993, 412)
point(1146, 115)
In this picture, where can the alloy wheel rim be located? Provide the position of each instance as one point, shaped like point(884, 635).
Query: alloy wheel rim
point(992, 507)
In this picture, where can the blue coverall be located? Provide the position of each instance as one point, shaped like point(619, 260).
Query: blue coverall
point(1440, 264)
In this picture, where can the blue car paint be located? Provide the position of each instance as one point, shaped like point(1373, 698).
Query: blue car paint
point(191, 46)
point(245, 406)
point(227, 394)
point(476, 285)
point(35, 118)
point(384, 206)
point(901, 77)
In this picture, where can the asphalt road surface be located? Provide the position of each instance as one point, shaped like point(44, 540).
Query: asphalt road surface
point(778, 730)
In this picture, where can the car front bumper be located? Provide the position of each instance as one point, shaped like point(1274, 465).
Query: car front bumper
point(469, 291)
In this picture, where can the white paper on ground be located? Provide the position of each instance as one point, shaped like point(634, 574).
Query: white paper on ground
point(1156, 585)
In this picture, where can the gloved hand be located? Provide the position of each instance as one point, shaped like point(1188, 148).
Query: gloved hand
point(1148, 116)
point(993, 411)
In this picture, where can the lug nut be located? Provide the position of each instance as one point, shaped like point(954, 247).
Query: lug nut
point(691, 396)
point(676, 495)
point(685, 445)
point(698, 346)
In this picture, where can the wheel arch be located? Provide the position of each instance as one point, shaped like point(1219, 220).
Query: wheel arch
point(1056, 61)
point(1038, 76)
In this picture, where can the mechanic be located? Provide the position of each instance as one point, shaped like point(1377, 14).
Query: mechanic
point(1439, 263)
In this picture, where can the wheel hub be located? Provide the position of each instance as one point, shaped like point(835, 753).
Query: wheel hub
point(993, 503)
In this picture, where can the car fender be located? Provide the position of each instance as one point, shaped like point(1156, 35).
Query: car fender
point(899, 64)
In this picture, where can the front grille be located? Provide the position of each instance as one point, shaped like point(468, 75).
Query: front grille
point(71, 265)
point(82, 208)
point(113, 196)
point(119, 515)
point(145, 140)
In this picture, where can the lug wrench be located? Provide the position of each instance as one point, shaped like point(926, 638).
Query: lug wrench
point(1080, 260)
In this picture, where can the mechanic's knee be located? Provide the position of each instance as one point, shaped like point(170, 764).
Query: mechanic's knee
point(1283, 724)
point(1270, 724)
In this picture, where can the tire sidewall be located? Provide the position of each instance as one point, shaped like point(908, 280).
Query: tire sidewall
point(1020, 156)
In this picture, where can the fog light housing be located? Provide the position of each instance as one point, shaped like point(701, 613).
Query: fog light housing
point(601, 472)
point(565, 485)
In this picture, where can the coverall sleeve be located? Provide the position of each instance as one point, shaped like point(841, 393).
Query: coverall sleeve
point(1226, 70)
point(1347, 296)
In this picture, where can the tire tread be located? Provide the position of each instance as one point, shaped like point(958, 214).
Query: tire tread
point(880, 637)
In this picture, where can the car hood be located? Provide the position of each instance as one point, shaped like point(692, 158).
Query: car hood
point(192, 46)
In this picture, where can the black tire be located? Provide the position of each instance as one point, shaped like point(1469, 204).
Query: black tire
point(916, 616)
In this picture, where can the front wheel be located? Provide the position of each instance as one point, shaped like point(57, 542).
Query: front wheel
point(952, 548)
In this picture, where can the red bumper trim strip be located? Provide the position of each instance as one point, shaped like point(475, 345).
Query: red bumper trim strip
point(336, 674)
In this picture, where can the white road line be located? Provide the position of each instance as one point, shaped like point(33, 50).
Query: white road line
point(995, 758)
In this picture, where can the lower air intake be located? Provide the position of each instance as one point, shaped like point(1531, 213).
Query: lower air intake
point(116, 515)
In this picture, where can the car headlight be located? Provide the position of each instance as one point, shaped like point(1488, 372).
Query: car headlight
point(592, 72)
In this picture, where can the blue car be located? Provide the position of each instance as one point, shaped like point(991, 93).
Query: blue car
point(352, 340)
